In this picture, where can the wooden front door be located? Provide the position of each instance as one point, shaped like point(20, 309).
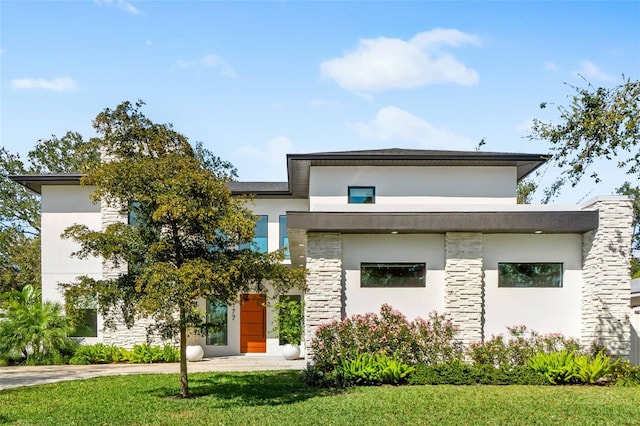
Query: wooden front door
point(253, 323)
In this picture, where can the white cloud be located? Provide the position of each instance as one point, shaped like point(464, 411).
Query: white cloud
point(58, 84)
point(391, 63)
point(550, 66)
point(265, 163)
point(119, 4)
point(591, 72)
point(210, 61)
point(394, 124)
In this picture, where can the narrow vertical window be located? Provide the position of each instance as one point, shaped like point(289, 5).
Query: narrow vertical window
point(362, 194)
point(260, 241)
point(216, 323)
point(284, 239)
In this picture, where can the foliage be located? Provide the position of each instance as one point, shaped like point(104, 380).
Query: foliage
point(520, 345)
point(623, 373)
point(598, 123)
point(31, 331)
point(184, 242)
point(634, 192)
point(525, 190)
point(288, 323)
point(590, 370)
point(20, 208)
point(280, 398)
point(458, 373)
point(98, 354)
point(558, 367)
point(428, 341)
point(148, 354)
point(371, 370)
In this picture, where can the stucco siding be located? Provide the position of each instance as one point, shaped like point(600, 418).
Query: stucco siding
point(545, 310)
point(418, 248)
point(411, 188)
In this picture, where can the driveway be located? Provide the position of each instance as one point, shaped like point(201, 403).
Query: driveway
point(11, 377)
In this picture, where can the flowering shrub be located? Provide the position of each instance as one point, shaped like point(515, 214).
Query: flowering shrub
point(420, 341)
point(520, 345)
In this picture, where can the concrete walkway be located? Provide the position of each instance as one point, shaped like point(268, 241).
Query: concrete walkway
point(11, 377)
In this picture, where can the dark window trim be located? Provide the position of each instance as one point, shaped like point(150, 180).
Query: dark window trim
point(501, 284)
point(373, 190)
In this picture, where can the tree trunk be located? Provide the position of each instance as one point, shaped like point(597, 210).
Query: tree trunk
point(184, 380)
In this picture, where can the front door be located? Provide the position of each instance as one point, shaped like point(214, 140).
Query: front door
point(253, 323)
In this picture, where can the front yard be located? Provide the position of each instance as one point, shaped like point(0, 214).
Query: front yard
point(280, 398)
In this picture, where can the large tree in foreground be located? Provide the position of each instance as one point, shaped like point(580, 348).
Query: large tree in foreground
point(183, 243)
point(599, 123)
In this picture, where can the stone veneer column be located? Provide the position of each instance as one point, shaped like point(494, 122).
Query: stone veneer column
point(606, 288)
point(464, 288)
point(323, 297)
point(121, 335)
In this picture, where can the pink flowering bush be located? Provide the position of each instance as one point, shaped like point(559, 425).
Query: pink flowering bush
point(390, 334)
point(520, 345)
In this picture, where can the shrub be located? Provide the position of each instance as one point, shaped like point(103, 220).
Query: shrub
point(370, 370)
point(623, 373)
point(558, 367)
point(590, 369)
point(99, 354)
point(389, 334)
point(458, 373)
point(520, 345)
point(33, 332)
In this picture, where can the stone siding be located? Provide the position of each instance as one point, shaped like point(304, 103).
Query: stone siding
point(606, 275)
point(120, 335)
point(323, 298)
point(464, 284)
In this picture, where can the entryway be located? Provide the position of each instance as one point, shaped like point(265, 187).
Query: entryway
point(253, 323)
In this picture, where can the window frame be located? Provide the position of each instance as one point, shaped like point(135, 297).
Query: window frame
point(350, 199)
point(420, 281)
point(223, 334)
point(534, 281)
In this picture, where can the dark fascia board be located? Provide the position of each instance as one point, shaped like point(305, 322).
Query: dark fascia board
point(439, 222)
point(35, 182)
point(261, 189)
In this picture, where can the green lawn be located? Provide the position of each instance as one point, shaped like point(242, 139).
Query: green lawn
point(279, 398)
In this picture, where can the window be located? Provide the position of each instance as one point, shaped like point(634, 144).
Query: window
point(530, 274)
point(260, 239)
point(216, 323)
point(89, 325)
point(393, 274)
point(290, 319)
point(362, 194)
point(132, 218)
point(284, 239)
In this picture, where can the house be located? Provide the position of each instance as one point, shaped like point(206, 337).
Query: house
point(421, 230)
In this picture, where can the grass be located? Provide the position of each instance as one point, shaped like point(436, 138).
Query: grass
point(265, 398)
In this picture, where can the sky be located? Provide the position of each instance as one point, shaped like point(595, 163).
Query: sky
point(254, 81)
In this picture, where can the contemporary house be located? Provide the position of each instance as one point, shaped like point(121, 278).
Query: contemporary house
point(420, 230)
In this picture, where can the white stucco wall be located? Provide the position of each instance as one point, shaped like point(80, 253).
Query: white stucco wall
point(411, 188)
point(63, 206)
point(274, 208)
point(412, 302)
point(545, 310)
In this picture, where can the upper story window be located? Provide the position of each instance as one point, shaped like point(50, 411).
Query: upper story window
point(393, 274)
point(362, 194)
point(260, 239)
point(284, 239)
point(530, 274)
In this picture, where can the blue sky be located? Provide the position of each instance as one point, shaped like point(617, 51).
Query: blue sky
point(256, 80)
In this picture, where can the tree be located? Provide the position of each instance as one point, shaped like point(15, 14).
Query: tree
point(599, 123)
point(20, 208)
point(187, 229)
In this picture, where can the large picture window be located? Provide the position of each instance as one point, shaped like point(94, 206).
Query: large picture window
point(216, 323)
point(362, 194)
point(393, 274)
point(530, 274)
point(89, 325)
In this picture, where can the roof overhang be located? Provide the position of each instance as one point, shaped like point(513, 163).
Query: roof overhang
point(298, 165)
point(521, 222)
point(35, 182)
